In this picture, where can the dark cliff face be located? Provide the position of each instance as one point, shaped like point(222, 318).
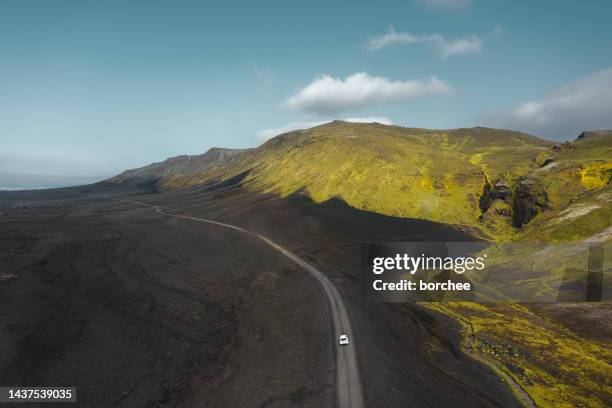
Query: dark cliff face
point(498, 191)
point(485, 201)
point(501, 191)
point(524, 204)
point(529, 199)
point(521, 202)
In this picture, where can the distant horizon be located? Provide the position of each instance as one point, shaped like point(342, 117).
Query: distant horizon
point(15, 182)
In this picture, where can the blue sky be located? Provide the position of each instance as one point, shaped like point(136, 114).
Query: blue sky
point(92, 88)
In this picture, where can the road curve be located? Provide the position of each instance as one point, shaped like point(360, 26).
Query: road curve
point(349, 392)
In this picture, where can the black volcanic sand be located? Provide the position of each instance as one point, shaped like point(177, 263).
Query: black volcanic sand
point(136, 308)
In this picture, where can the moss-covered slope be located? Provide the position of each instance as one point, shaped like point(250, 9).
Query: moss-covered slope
point(439, 175)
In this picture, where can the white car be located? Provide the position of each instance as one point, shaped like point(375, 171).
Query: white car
point(343, 340)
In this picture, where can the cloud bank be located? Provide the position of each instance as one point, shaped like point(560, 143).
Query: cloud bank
point(443, 5)
point(327, 95)
point(584, 104)
point(445, 47)
point(267, 134)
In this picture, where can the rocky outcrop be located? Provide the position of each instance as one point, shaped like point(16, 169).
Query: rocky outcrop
point(496, 205)
point(498, 191)
point(501, 191)
point(529, 198)
point(484, 203)
point(517, 206)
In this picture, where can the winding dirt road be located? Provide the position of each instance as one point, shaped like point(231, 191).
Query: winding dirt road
point(349, 392)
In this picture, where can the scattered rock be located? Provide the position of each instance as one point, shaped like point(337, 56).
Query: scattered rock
point(548, 161)
point(547, 167)
point(545, 158)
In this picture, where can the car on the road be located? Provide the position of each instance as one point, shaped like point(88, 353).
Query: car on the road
point(343, 340)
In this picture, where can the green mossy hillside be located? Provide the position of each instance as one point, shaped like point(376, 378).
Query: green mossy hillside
point(438, 175)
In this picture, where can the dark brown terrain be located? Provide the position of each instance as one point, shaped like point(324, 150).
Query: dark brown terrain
point(139, 309)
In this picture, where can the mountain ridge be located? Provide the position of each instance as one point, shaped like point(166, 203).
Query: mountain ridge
point(392, 170)
point(182, 164)
point(497, 181)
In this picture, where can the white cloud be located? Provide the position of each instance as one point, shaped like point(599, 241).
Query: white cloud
point(392, 38)
point(267, 134)
point(584, 104)
point(445, 47)
point(327, 95)
point(459, 46)
point(443, 5)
